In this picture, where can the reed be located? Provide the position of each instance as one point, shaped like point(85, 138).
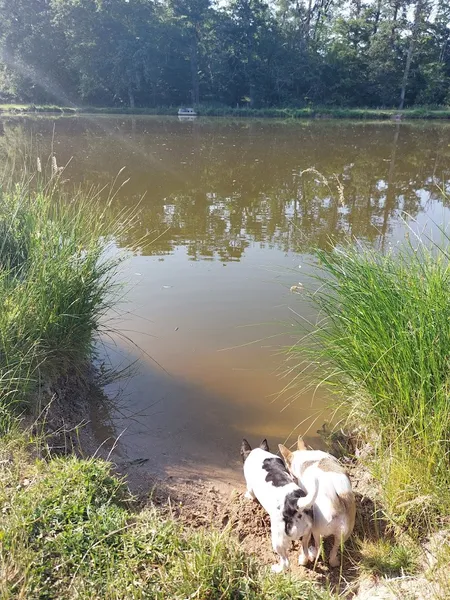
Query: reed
point(57, 267)
point(382, 345)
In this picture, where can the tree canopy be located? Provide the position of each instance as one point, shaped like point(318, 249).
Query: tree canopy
point(234, 52)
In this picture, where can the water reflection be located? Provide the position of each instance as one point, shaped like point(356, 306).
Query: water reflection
point(217, 186)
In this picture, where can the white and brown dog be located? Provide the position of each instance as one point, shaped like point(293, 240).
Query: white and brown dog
point(334, 505)
point(288, 505)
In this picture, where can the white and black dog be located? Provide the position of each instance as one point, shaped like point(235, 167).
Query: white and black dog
point(288, 505)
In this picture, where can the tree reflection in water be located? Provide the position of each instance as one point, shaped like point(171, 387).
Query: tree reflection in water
point(218, 186)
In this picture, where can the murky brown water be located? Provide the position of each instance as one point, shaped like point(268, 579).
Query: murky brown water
point(208, 305)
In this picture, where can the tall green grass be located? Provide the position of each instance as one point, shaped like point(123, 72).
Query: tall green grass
point(57, 265)
point(382, 343)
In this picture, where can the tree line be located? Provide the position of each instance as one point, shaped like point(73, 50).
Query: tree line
point(295, 53)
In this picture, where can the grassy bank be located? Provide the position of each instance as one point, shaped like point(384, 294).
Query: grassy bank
point(383, 346)
point(214, 111)
point(69, 529)
point(55, 282)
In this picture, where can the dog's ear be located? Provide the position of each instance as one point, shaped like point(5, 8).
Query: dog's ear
point(300, 443)
point(286, 454)
point(264, 445)
point(245, 449)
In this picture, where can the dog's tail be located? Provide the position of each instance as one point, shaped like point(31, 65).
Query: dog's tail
point(347, 500)
point(245, 449)
point(308, 500)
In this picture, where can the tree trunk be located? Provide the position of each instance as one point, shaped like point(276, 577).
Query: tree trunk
point(377, 17)
point(131, 96)
point(409, 56)
point(316, 26)
point(443, 50)
point(394, 23)
point(308, 18)
point(252, 94)
point(323, 9)
point(195, 92)
point(251, 64)
point(389, 201)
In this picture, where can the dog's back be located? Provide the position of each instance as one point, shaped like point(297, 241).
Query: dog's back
point(334, 508)
point(267, 476)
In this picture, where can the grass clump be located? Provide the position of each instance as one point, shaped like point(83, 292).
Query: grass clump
point(388, 559)
point(383, 344)
point(60, 522)
point(67, 530)
point(56, 282)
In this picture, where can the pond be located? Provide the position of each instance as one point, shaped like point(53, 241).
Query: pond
point(229, 221)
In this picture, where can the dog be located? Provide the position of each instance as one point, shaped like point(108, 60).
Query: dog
point(334, 506)
point(289, 507)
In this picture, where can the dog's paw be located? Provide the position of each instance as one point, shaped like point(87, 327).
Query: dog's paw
point(334, 562)
point(277, 568)
point(303, 559)
point(312, 553)
point(249, 495)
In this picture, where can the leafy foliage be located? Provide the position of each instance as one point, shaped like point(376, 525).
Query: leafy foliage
point(242, 52)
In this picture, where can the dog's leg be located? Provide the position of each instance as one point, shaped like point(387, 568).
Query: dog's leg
point(280, 545)
point(303, 557)
point(313, 550)
point(334, 558)
point(280, 566)
point(249, 494)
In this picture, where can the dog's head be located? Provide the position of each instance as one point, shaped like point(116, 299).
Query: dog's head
point(297, 517)
point(293, 459)
point(297, 462)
